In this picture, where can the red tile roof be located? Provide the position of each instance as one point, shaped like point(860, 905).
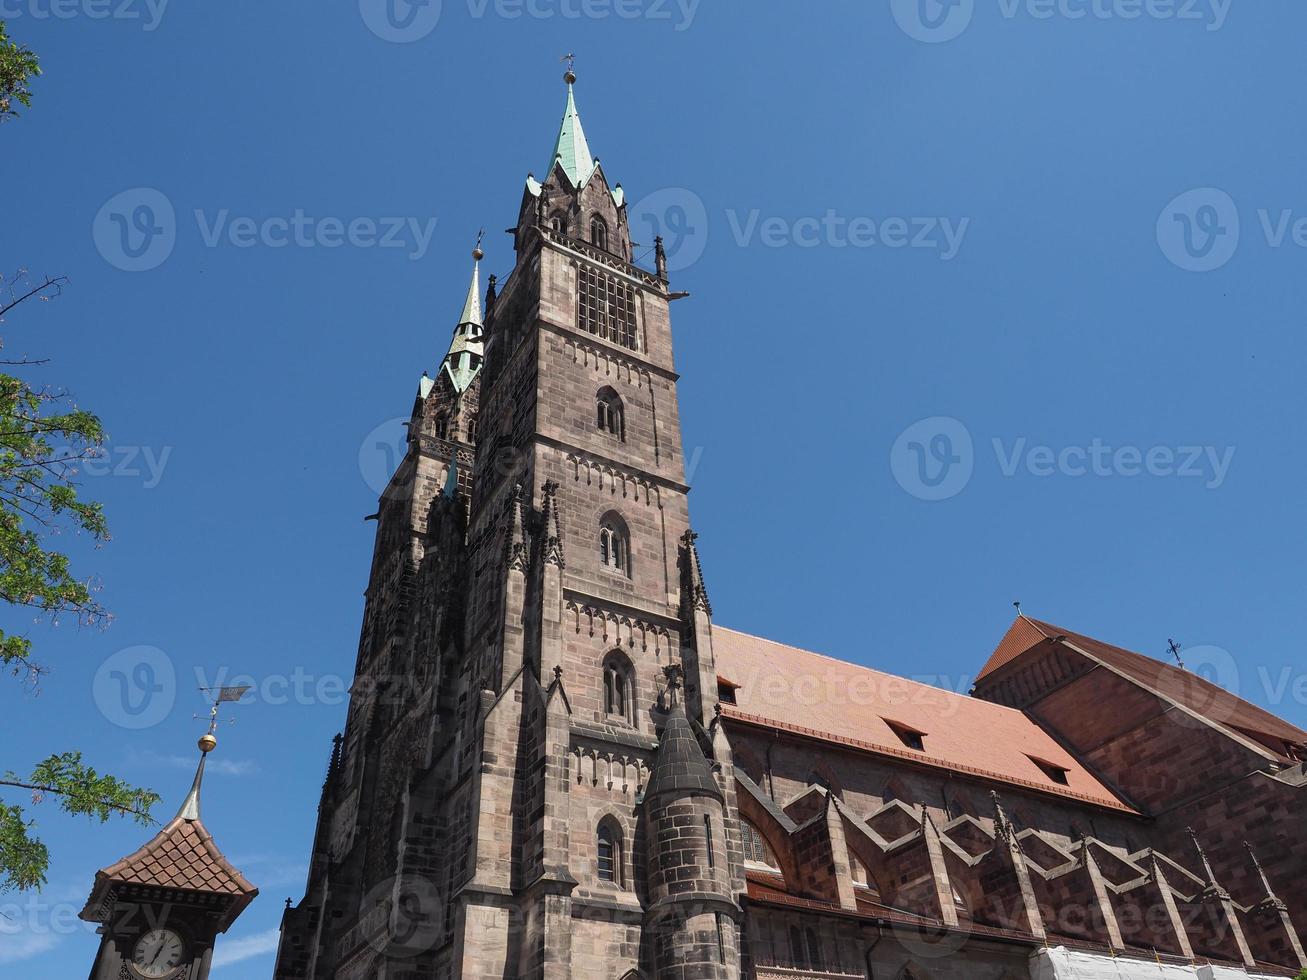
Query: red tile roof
point(816, 696)
point(1189, 689)
point(181, 856)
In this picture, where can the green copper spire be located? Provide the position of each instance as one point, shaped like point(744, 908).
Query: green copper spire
point(467, 349)
point(571, 150)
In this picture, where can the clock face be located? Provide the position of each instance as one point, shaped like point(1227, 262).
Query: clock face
point(158, 953)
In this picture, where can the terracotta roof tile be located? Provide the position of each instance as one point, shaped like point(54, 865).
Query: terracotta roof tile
point(817, 696)
point(1020, 637)
point(182, 855)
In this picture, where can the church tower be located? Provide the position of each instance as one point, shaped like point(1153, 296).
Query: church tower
point(535, 668)
point(161, 908)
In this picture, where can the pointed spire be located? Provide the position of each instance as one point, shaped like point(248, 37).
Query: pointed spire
point(472, 305)
point(467, 350)
point(190, 809)
point(680, 766)
point(571, 149)
point(552, 552)
point(517, 549)
point(696, 591)
point(1002, 829)
point(1271, 898)
point(1212, 889)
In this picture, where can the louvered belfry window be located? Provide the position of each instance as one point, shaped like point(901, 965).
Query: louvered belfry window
point(607, 307)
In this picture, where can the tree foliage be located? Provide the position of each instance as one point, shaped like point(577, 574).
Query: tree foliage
point(18, 66)
point(81, 791)
point(43, 436)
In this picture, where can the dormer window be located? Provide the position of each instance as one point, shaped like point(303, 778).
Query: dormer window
point(1058, 774)
point(909, 736)
point(726, 690)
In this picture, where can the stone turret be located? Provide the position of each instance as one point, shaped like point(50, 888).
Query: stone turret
point(691, 918)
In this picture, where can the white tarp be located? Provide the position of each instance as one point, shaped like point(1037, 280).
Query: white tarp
point(1064, 964)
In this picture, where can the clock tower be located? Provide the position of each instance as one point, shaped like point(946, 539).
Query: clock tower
point(161, 908)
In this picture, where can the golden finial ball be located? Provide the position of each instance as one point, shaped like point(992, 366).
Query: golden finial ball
point(207, 742)
point(477, 254)
point(569, 77)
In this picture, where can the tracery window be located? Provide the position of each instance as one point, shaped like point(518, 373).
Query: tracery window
point(610, 416)
point(618, 687)
point(607, 306)
point(609, 854)
point(614, 545)
point(756, 848)
point(598, 233)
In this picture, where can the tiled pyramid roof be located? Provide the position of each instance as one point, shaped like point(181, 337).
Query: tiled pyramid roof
point(182, 855)
point(816, 696)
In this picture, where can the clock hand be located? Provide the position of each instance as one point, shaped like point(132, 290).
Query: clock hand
point(157, 953)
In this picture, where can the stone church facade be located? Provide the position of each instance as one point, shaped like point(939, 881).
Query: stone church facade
point(556, 765)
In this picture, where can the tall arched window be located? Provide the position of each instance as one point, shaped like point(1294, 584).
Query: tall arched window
point(619, 687)
point(609, 852)
point(558, 222)
point(442, 427)
point(614, 544)
point(598, 233)
point(609, 413)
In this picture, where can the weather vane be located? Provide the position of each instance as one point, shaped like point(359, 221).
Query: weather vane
point(570, 58)
point(209, 741)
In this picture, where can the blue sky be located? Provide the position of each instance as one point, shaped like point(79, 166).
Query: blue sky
point(990, 302)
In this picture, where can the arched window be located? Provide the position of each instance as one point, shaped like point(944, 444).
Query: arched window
point(598, 233)
point(756, 849)
point(609, 852)
point(619, 693)
point(558, 223)
point(442, 427)
point(614, 545)
point(472, 432)
point(609, 413)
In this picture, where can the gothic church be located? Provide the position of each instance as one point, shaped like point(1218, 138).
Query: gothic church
point(556, 765)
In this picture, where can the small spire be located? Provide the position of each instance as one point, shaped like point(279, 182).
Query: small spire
point(466, 350)
point(553, 533)
point(191, 805)
point(472, 305)
point(1202, 854)
point(1001, 825)
point(571, 149)
point(696, 590)
point(517, 548)
point(1271, 898)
